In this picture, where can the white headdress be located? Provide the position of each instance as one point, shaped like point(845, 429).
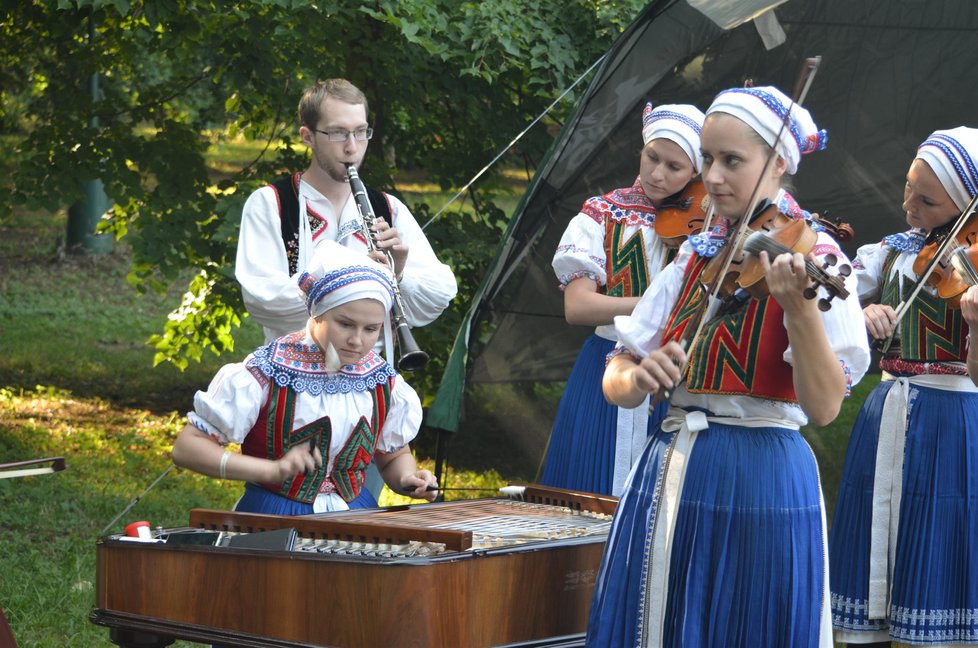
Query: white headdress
point(680, 123)
point(337, 275)
point(952, 155)
point(764, 110)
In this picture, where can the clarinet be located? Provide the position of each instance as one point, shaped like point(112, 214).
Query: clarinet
point(412, 358)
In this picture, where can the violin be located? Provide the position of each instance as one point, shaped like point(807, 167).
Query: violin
point(682, 214)
point(775, 233)
point(945, 277)
point(935, 260)
point(715, 287)
point(963, 262)
point(841, 232)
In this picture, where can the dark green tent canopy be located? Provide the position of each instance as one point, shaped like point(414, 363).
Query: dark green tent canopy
point(891, 73)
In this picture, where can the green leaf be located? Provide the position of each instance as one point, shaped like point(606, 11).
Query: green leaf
point(449, 84)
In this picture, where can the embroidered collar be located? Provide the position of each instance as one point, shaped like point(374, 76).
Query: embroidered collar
point(627, 206)
point(296, 361)
point(709, 243)
point(637, 194)
point(788, 205)
point(910, 242)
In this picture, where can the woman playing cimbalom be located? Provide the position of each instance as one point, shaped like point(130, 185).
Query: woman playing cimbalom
point(719, 537)
point(904, 546)
point(313, 409)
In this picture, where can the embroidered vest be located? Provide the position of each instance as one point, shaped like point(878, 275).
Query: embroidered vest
point(290, 367)
point(287, 193)
point(627, 265)
point(740, 353)
point(930, 331)
point(273, 436)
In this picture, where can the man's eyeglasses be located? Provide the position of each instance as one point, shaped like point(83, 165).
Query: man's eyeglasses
point(341, 134)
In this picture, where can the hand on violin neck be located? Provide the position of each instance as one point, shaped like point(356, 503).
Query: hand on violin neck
point(787, 280)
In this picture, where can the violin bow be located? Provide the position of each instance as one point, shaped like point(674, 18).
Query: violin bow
point(802, 85)
point(903, 306)
point(137, 498)
point(20, 468)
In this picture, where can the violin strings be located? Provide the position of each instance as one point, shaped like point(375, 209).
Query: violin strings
point(961, 263)
point(758, 242)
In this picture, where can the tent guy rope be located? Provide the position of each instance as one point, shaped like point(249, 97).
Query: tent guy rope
point(513, 142)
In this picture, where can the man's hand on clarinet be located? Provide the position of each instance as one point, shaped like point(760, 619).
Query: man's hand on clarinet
point(388, 241)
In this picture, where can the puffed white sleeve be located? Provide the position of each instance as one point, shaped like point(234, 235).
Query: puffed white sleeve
point(229, 407)
point(843, 322)
point(426, 285)
point(641, 332)
point(404, 418)
point(580, 252)
point(270, 294)
point(868, 268)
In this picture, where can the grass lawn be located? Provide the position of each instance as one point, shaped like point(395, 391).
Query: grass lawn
point(76, 380)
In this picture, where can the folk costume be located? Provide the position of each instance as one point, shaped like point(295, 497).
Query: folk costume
point(273, 250)
point(612, 241)
point(904, 546)
point(267, 266)
point(719, 537)
point(290, 392)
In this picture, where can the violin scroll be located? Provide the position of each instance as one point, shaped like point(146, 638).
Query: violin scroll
point(834, 284)
point(840, 231)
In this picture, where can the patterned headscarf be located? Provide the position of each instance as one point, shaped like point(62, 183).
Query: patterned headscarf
point(338, 275)
point(764, 110)
point(952, 155)
point(680, 123)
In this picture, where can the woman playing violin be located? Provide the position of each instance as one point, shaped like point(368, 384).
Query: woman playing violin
point(904, 545)
point(604, 262)
point(718, 539)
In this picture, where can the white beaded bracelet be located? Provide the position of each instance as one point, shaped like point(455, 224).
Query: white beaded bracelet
point(224, 464)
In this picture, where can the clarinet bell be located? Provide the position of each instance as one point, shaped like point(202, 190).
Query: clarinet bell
point(412, 357)
point(412, 360)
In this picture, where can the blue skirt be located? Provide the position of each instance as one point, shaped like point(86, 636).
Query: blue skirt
point(581, 452)
point(746, 568)
point(934, 586)
point(258, 499)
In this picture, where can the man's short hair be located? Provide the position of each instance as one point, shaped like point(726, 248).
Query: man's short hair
point(311, 103)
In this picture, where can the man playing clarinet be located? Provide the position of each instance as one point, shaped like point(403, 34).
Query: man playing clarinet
point(283, 223)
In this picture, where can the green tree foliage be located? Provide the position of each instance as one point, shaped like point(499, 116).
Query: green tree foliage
point(450, 83)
